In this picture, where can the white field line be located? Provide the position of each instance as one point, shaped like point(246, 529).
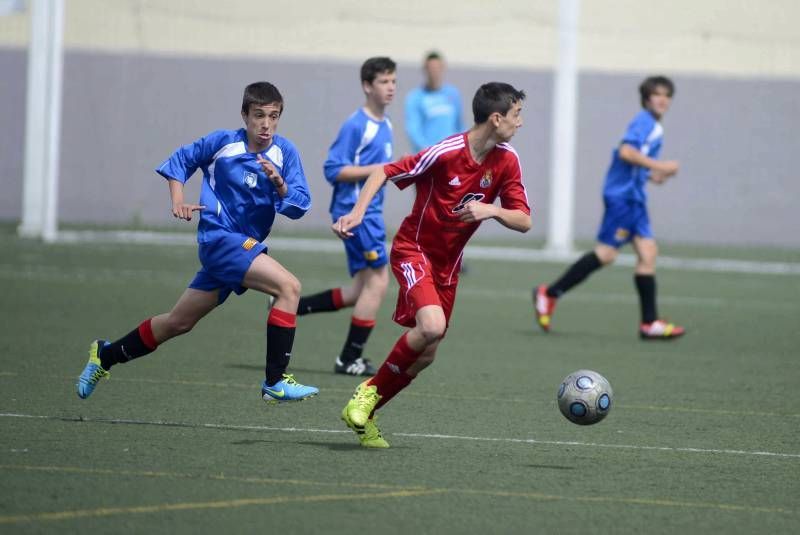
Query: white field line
point(230, 427)
point(509, 254)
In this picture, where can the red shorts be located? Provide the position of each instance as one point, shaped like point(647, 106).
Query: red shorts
point(418, 288)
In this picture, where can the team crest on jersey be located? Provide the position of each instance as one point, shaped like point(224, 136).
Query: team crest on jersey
point(621, 234)
point(467, 198)
point(486, 181)
point(251, 179)
point(249, 243)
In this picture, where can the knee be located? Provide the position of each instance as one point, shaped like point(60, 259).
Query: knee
point(646, 265)
point(606, 254)
point(432, 330)
point(177, 326)
point(290, 288)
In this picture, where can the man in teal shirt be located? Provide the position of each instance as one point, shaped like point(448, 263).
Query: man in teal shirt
point(433, 111)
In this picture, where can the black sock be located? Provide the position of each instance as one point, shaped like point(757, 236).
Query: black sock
point(646, 286)
point(137, 343)
point(356, 338)
point(279, 351)
point(326, 301)
point(576, 273)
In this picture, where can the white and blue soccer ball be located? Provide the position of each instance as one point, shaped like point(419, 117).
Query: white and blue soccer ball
point(585, 397)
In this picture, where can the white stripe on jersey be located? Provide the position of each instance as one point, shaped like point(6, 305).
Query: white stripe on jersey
point(370, 131)
point(457, 263)
point(430, 156)
point(231, 149)
point(510, 149)
point(655, 133)
point(275, 154)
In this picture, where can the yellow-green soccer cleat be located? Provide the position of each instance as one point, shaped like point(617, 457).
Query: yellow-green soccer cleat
point(369, 435)
point(93, 371)
point(361, 405)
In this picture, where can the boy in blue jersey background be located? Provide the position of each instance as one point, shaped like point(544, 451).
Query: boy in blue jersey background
point(363, 144)
point(625, 219)
point(249, 176)
point(432, 111)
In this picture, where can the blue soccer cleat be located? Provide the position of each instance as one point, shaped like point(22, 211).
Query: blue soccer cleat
point(93, 371)
point(286, 390)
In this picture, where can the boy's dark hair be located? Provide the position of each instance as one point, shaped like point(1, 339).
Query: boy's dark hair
point(433, 54)
point(648, 87)
point(375, 66)
point(260, 94)
point(494, 97)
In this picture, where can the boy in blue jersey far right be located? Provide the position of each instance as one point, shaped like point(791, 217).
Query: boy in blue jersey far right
point(364, 144)
point(249, 176)
point(625, 220)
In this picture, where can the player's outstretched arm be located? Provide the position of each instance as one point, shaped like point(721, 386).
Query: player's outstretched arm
point(347, 222)
point(663, 169)
point(181, 209)
point(356, 173)
point(478, 211)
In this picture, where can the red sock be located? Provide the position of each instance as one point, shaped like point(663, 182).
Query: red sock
point(392, 389)
point(392, 377)
point(336, 297)
point(281, 318)
point(146, 334)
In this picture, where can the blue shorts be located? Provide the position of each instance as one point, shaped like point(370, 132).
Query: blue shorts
point(225, 261)
point(367, 246)
point(622, 220)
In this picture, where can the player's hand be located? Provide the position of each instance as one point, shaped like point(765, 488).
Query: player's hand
point(667, 169)
point(345, 224)
point(272, 173)
point(475, 211)
point(182, 210)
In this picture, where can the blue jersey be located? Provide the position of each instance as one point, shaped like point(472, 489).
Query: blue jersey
point(626, 181)
point(237, 195)
point(432, 116)
point(361, 141)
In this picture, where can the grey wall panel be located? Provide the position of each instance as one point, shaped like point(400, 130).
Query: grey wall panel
point(12, 131)
point(123, 114)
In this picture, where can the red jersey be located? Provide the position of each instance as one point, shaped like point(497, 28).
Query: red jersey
point(447, 177)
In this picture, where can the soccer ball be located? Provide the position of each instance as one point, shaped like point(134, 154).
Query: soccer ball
point(585, 397)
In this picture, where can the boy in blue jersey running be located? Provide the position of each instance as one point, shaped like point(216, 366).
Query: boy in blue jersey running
point(625, 220)
point(432, 111)
point(364, 144)
point(249, 176)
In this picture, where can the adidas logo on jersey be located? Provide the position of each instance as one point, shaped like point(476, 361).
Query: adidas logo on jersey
point(455, 181)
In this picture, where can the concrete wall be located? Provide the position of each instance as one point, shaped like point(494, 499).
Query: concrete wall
point(141, 78)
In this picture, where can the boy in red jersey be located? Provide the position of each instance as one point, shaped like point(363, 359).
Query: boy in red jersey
point(457, 182)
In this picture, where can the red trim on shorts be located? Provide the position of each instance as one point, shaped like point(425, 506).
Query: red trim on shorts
point(146, 334)
point(336, 295)
point(281, 318)
point(358, 322)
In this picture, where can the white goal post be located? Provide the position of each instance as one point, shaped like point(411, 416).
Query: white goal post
point(43, 120)
point(561, 221)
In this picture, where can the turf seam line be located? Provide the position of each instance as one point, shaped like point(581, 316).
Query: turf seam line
point(231, 427)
